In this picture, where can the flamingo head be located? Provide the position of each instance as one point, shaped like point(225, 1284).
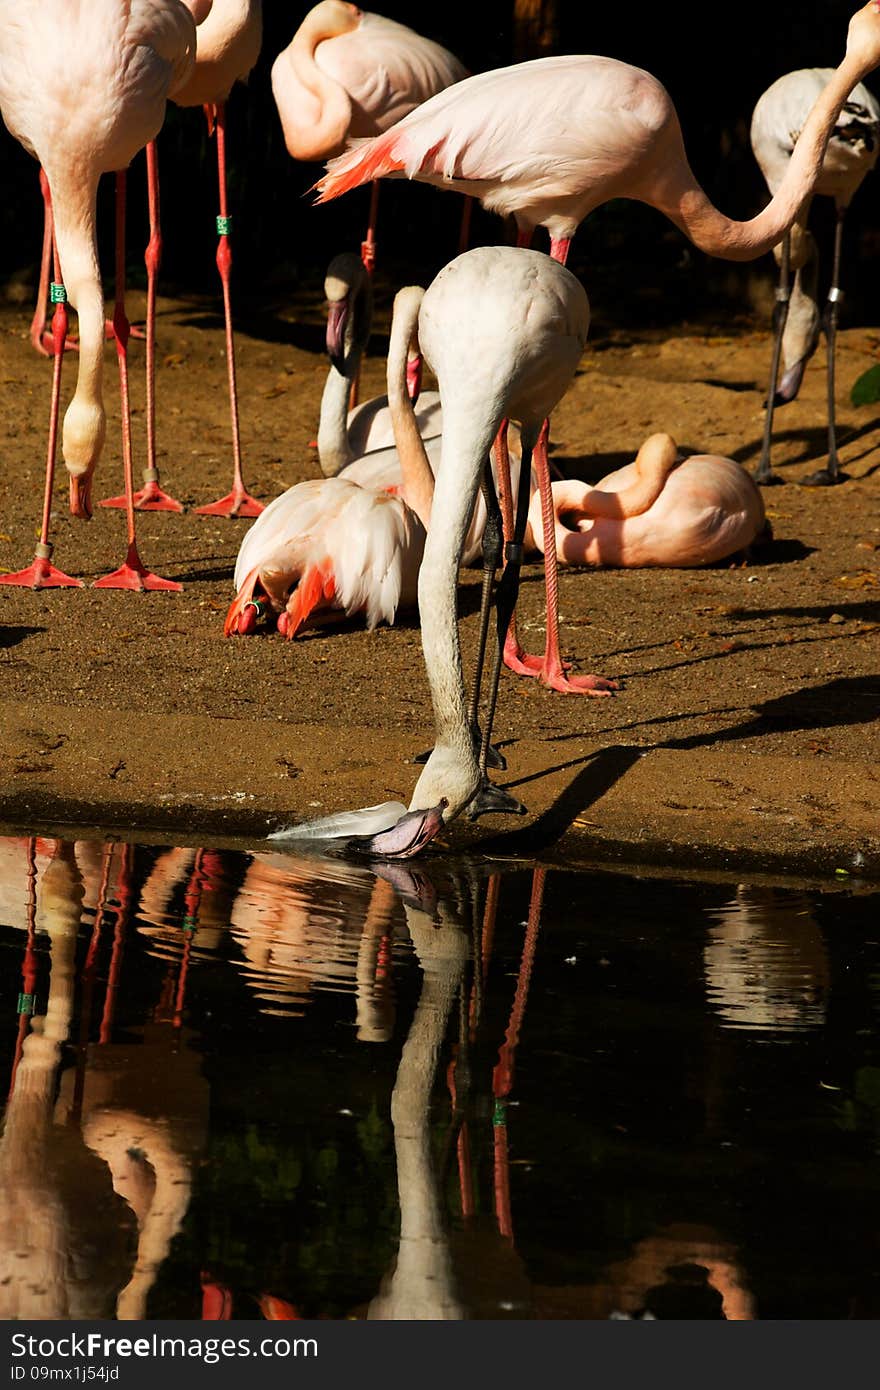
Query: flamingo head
point(349, 309)
point(336, 17)
point(863, 37)
point(408, 836)
point(81, 495)
point(337, 318)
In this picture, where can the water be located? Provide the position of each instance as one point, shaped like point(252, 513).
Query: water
point(276, 1085)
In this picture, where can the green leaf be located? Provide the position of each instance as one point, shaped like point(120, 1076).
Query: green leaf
point(866, 389)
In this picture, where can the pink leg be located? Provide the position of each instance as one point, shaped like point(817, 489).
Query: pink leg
point(132, 574)
point(368, 256)
point(238, 502)
point(151, 497)
point(38, 322)
point(42, 574)
point(552, 670)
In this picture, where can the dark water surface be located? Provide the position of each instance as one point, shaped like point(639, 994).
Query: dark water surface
point(246, 1084)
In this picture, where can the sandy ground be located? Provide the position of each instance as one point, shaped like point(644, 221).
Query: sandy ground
point(746, 729)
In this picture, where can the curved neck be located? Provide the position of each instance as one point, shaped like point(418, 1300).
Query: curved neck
point(422, 1285)
point(334, 446)
point(654, 462)
point(418, 479)
point(327, 129)
point(684, 202)
point(334, 449)
point(74, 209)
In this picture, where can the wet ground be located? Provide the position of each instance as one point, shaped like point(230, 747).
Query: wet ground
point(746, 729)
point(247, 1085)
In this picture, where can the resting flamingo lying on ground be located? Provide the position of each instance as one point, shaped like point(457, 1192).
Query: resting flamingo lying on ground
point(330, 544)
point(346, 75)
point(852, 152)
point(659, 510)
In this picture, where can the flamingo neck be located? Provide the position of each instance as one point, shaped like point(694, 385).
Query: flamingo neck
point(418, 479)
point(74, 205)
point(423, 1283)
point(328, 127)
point(685, 203)
point(334, 446)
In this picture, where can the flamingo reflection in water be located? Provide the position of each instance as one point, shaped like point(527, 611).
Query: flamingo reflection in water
point(96, 1184)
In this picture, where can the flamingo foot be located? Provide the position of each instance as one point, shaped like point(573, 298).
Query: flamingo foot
point(134, 575)
point(44, 343)
point(238, 502)
point(554, 677)
point(772, 480)
point(216, 1299)
point(825, 478)
point(41, 574)
point(150, 498)
point(492, 801)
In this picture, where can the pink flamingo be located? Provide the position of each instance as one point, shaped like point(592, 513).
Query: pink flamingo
point(347, 74)
point(228, 44)
point(659, 510)
point(335, 544)
point(550, 140)
point(92, 118)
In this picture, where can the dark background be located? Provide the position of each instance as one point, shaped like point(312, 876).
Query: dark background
point(714, 59)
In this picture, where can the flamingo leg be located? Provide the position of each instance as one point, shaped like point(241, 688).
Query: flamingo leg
point(832, 472)
point(553, 672)
point(238, 502)
point(42, 574)
point(38, 322)
point(132, 574)
point(368, 256)
point(151, 497)
point(765, 474)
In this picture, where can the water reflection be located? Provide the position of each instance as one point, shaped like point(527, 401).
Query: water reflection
point(273, 1085)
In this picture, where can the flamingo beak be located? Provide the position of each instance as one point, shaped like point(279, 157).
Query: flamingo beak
point(790, 383)
point(337, 317)
point(81, 495)
point(414, 377)
point(408, 837)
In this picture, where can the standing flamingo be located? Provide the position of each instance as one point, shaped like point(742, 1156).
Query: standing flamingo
point(101, 107)
point(346, 75)
point(851, 153)
point(658, 510)
point(503, 330)
point(550, 140)
point(335, 544)
point(228, 44)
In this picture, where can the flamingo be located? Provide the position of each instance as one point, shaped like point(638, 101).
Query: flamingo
point(100, 108)
point(658, 510)
point(347, 74)
point(345, 435)
point(228, 44)
point(339, 545)
point(503, 329)
point(550, 140)
point(851, 153)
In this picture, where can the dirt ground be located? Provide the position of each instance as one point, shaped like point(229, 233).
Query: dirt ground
point(746, 728)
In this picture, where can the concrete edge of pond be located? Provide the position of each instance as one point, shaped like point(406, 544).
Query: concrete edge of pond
point(229, 780)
